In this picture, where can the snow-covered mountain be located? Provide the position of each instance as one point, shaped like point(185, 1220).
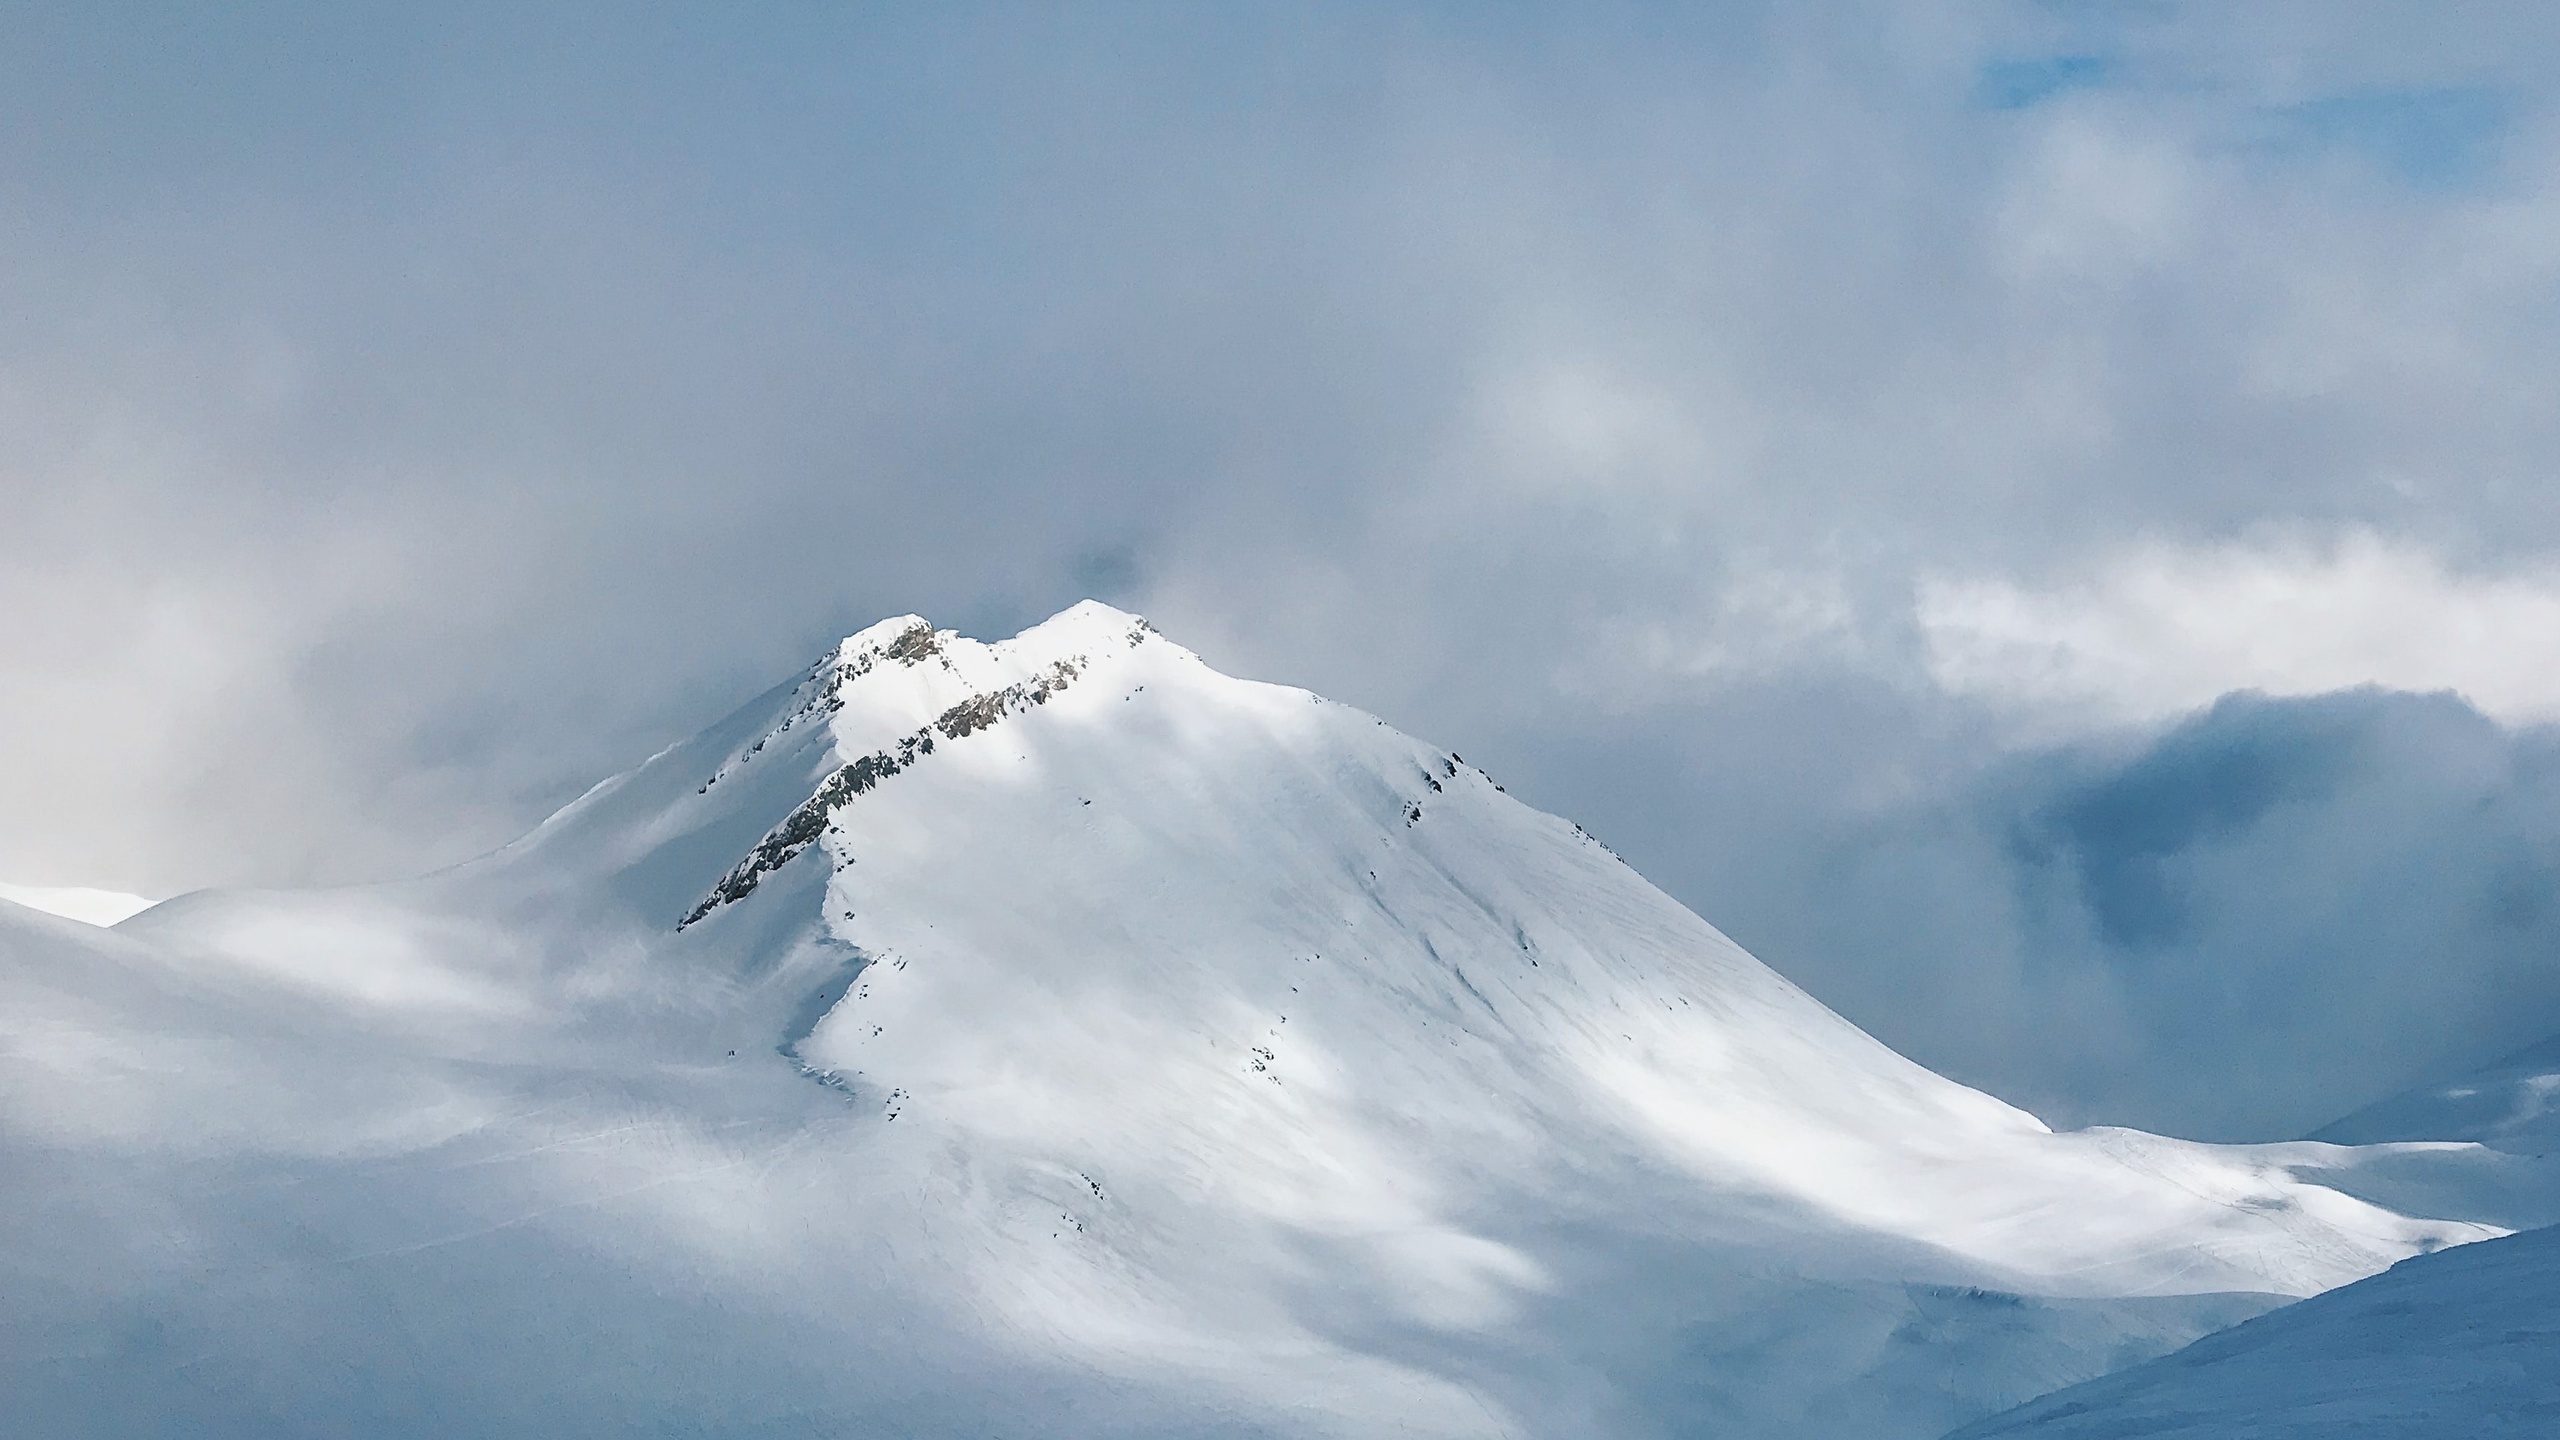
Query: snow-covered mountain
point(1052, 1037)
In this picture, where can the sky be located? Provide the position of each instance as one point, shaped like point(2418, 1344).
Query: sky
point(2033, 517)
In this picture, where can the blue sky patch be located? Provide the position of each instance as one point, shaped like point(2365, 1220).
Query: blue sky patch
point(2018, 84)
point(2427, 137)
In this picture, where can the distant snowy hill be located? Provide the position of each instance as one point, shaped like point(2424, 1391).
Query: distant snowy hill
point(2513, 1105)
point(1053, 1037)
point(2462, 1345)
point(2485, 1145)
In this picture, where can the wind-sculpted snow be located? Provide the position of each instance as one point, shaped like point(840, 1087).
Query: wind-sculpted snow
point(1152, 1053)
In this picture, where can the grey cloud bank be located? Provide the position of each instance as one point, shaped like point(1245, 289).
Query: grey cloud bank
point(408, 416)
point(2278, 906)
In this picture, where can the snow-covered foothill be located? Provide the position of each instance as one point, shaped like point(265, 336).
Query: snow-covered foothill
point(1058, 1037)
point(2461, 1345)
point(2485, 1145)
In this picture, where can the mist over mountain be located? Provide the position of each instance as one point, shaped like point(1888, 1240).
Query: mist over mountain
point(1736, 420)
point(2237, 926)
point(2033, 519)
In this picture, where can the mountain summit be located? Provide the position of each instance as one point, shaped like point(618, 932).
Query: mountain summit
point(1054, 1036)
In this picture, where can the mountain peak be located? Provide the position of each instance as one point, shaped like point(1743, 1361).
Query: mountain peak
point(898, 689)
point(912, 640)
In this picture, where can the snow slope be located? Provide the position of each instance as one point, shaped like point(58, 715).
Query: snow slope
point(1052, 1037)
point(2461, 1345)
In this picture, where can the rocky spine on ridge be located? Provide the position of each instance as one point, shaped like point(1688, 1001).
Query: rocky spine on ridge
point(810, 818)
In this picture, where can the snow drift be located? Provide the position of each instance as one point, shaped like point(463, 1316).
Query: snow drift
point(1052, 1037)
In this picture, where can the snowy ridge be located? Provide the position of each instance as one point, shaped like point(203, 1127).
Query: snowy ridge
point(1199, 1056)
point(913, 644)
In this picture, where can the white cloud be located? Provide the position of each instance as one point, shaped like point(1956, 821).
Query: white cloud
point(2161, 629)
point(1761, 621)
point(2092, 201)
point(1569, 426)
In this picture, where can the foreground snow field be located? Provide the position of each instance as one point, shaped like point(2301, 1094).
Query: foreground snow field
point(1053, 1037)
